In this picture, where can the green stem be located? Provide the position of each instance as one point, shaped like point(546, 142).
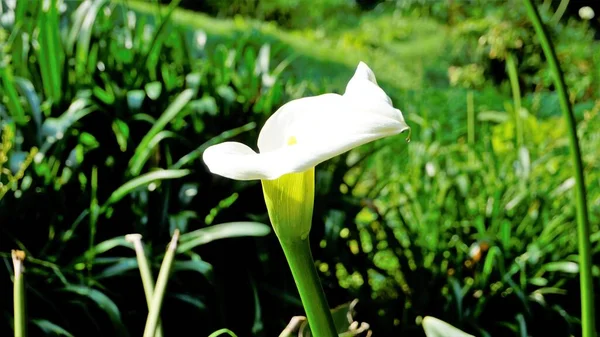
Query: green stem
point(145, 273)
point(19, 294)
point(583, 226)
point(471, 124)
point(301, 263)
point(511, 65)
point(161, 286)
point(470, 118)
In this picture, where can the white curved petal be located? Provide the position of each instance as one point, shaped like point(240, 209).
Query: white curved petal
point(318, 127)
point(237, 161)
point(232, 160)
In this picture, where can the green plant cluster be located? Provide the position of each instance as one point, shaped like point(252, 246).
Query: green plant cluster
point(105, 112)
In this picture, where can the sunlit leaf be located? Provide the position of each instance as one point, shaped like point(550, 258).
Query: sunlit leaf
point(437, 328)
point(221, 231)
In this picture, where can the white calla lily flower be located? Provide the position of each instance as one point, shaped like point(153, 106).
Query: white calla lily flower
point(311, 130)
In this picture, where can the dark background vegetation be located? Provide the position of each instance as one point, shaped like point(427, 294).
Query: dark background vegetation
point(471, 222)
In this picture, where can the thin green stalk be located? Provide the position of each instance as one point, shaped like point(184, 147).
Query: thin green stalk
point(471, 118)
point(301, 263)
point(471, 123)
point(94, 214)
point(161, 286)
point(145, 273)
point(583, 226)
point(562, 7)
point(18, 256)
point(513, 76)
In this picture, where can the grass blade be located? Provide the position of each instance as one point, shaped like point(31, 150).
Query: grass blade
point(50, 328)
point(84, 36)
point(50, 52)
point(8, 84)
point(142, 152)
point(222, 231)
point(140, 181)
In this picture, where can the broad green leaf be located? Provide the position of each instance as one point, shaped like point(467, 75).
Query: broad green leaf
point(104, 303)
point(199, 266)
point(221, 231)
point(50, 328)
point(437, 328)
point(190, 300)
point(119, 268)
point(140, 181)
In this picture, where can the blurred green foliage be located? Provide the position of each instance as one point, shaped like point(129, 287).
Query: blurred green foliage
point(106, 108)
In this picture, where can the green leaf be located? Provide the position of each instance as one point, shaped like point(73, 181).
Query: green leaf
point(104, 303)
point(221, 231)
point(190, 300)
point(107, 245)
point(27, 89)
point(437, 328)
point(140, 181)
point(83, 35)
point(50, 328)
point(153, 90)
point(119, 268)
point(49, 50)
point(143, 149)
point(121, 131)
point(199, 266)
point(222, 332)
point(562, 266)
point(13, 103)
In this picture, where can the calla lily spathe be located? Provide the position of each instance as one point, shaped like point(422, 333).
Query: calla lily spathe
point(311, 130)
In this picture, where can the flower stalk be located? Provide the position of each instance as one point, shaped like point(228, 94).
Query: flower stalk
point(290, 201)
point(583, 226)
point(161, 286)
point(145, 273)
point(300, 260)
point(297, 137)
point(20, 320)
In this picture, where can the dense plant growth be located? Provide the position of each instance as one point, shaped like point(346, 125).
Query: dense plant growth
point(106, 108)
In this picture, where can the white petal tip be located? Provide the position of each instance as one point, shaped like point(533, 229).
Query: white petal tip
point(228, 160)
point(364, 72)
